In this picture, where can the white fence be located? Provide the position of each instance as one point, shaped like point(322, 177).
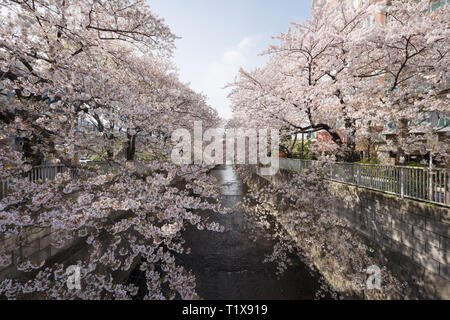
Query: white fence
point(424, 184)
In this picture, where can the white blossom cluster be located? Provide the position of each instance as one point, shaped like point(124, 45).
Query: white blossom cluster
point(95, 79)
point(336, 75)
point(298, 215)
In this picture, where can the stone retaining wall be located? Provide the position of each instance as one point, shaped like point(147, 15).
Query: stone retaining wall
point(34, 245)
point(417, 232)
point(412, 237)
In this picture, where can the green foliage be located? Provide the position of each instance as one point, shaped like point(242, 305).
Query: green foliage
point(415, 164)
point(372, 161)
point(307, 154)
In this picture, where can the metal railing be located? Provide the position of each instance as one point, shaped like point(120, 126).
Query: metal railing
point(44, 173)
point(424, 184)
point(49, 172)
point(430, 185)
point(39, 173)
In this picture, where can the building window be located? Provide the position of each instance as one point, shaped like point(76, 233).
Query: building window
point(369, 22)
point(438, 4)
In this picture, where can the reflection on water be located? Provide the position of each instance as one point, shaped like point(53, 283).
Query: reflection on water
point(229, 265)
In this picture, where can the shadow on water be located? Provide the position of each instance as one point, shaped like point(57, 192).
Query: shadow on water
point(230, 266)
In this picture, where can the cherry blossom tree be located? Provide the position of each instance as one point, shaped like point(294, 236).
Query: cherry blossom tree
point(106, 62)
point(401, 70)
point(297, 215)
point(305, 86)
point(337, 72)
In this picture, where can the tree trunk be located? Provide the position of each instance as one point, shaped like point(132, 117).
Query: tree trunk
point(291, 149)
point(400, 159)
point(351, 154)
point(131, 147)
point(303, 146)
point(34, 156)
point(110, 154)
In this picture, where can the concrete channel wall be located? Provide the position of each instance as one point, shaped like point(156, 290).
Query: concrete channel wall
point(417, 234)
point(414, 236)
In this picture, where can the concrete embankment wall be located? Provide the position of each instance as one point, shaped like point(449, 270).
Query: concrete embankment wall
point(411, 238)
point(416, 235)
point(37, 245)
point(34, 245)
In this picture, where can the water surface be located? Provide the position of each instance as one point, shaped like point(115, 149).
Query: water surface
point(229, 266)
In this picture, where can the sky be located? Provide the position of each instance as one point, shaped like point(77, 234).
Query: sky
point(220, 36)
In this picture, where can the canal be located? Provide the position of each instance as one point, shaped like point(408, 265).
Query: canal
point(229, 265)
